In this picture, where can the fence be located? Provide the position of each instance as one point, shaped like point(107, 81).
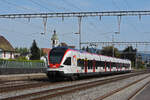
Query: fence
point(21, 67)
point(21, 64)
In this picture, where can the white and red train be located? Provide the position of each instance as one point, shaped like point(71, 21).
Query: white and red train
point(70, 63)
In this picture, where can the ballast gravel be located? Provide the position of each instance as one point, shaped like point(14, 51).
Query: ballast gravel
point(87, 94)
point(93, 93)
point(32, 90)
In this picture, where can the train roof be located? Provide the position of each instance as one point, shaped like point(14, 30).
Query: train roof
point(81, 51)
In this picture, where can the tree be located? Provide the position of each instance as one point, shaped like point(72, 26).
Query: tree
point(35, 51)
point(98, 52)
point(108, 51)
point(83, 48)
point(129, 53)
point(22, 51)
point(140, 63)
point(87, 49)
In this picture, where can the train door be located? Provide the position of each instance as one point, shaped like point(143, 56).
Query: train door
point(67, 64)
point(74, 64)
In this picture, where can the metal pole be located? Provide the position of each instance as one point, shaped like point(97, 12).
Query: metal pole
point(113, 46)
point(79, 21)
point(136, 58)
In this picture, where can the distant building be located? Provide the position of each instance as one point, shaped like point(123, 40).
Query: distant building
point(55, 43)
point(63, 44)
point(6, 49)
point(55, 40)
point(46, 50)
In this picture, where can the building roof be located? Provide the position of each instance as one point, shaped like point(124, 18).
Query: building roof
point(46, 50)
point(54, 36)
point(5, 45)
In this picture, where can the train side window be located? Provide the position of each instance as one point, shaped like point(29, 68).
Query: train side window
point(96, 64)
point(68, 61)
point(102, 63)
point(117, 65)
point(89, 64)
point(114, 64)
point(123, 65)
point(108, 64)
point(79, 62)
point(82, 63)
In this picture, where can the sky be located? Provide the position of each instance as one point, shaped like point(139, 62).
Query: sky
point(22, 32)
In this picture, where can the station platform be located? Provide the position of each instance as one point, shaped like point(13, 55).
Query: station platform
point(22, 76)
point(144, 94)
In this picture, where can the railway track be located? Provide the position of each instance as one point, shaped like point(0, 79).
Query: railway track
point(15, 85)
point(124, 87)
point(51, 93)
point(138, 91)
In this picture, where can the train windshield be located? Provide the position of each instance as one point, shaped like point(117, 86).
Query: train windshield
point(56, 55)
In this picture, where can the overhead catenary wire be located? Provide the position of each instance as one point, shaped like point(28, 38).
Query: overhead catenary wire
point(133, 26)
point(24, 8)
point(90, 23)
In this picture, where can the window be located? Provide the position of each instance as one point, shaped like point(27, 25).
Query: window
point(90, 64)
point(80, 62)
point(108, 64)
point(96, 64)
point(113, 64)
point(102, 63)
point(68, 61)
point(56, 55)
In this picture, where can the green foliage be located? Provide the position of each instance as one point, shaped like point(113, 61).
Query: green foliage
point(35, 51)
point(140, 65)
point(108, 51)
point(22, 51)
point(87, 49)
point(21, 58)
point(129, 53)
point(83, 48)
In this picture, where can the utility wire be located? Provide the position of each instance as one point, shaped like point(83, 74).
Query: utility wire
point(133, 26)
point(76, 7)
point(18, 6)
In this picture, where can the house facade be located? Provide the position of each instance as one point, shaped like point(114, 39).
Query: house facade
point(6, 49)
